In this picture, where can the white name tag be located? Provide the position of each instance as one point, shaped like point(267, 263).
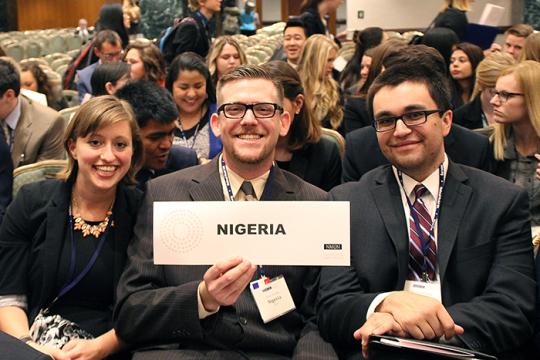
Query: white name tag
point(431, 289)
point(272, 297)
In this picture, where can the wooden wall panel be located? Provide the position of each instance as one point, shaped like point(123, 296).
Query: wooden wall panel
point(46, 14)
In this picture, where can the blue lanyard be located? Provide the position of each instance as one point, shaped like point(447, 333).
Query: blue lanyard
point(260, 269)
point(425, 242)
point(69, 285)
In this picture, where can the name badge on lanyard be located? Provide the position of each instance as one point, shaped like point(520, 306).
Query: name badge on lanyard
point(272, 297)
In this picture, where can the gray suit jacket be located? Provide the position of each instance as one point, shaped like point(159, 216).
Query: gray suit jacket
point(158, 304)
point(484, 256)
point(38, 135)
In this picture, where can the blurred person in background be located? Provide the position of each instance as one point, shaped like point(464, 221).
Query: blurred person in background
point(315, 69)
point(478, 113)
point(463, 62)
point(146, 61)
point(35, 79)
point(225, 55)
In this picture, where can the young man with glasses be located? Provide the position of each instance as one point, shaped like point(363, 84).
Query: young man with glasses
point(439, 251)
point(108, 48)
point(209, 311)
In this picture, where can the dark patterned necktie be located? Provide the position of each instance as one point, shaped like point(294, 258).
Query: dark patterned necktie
point(416, 255)
point(249, 191)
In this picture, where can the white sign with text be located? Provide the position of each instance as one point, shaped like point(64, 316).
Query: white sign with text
point(263, 232)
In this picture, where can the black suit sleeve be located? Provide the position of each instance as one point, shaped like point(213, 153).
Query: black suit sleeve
point(6, 177)
point(502, 315)
point(148, 309)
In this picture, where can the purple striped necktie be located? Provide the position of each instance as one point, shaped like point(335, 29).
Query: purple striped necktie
point(416, 255)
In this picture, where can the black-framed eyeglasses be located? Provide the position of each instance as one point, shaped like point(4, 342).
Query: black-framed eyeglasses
point(505, 95)
point(260, 110)
point(411, 118)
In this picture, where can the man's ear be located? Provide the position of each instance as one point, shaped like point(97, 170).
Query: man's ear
point(446, 122)
point(9, 94)
point(214, 124)
point(97, 51)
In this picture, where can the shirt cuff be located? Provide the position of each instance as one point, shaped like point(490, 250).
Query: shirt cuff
point(203, 313)
point(378, 299)
point(14, 300)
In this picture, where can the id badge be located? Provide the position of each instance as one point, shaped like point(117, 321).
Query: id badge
point(272, 297)
point(431, 289)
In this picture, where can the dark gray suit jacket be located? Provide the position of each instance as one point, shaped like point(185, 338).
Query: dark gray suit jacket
point(484, 254)
point(158, 304)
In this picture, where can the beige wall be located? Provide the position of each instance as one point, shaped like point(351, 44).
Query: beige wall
point(412, 14)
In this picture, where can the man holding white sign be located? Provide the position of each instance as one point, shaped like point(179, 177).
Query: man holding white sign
point(223, 311)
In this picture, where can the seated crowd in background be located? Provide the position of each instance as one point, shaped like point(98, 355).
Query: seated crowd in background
point(172, 119)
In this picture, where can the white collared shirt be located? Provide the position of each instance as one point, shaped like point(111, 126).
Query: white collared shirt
point(13, 118)
point(236, 182)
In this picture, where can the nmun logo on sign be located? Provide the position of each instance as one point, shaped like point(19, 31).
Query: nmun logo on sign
point(182, 231)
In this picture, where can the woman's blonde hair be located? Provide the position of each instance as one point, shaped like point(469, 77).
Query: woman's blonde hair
point(215, 51)
point(527, 74)
point(95, 114)
point(531, 49)
point(489, 69)
point(322, 90)
point(463, 5)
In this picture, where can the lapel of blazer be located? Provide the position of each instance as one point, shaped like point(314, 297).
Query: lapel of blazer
point(57, 215)
point(22, 132)
point(456, 195)
point(207, 183)
point(277, 187)
point(387, 197)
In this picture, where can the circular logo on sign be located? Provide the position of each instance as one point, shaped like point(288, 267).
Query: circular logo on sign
point(181, 231)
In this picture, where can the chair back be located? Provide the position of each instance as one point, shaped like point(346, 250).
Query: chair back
point(46, 169)
point(335, 137)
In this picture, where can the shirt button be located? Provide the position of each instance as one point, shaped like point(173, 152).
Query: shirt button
point(242, 320)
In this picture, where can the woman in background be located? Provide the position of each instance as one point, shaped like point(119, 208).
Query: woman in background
point(463, 62)
point(355, 72)
point(35, 79)
point(516, 135)
point(315, 69)
point(191, 86)
point(303, 151)
point(108, 78)
point(66, 239)
point(355, 114)
point(224, 56)
point(478, 113)
point(454, 17)
point(133, 12)
point(146, 61)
